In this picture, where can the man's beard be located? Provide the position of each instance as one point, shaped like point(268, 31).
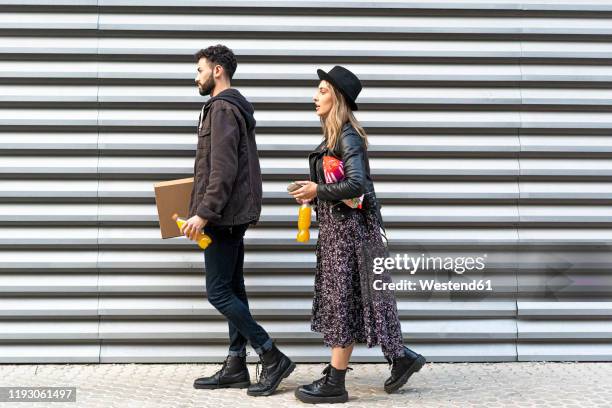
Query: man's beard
point(208, 86)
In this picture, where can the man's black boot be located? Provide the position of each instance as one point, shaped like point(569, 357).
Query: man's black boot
point(402, 368)
point(233, 374)
point(326, 390)
point(275, 367)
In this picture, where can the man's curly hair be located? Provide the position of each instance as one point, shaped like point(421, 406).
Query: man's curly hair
point(219, 55)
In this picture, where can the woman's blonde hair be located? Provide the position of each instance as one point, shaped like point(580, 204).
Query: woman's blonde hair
point(338, 115)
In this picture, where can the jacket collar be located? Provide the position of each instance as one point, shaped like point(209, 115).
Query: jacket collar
point(321, 148)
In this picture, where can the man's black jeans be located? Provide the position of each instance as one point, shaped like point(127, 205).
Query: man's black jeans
point(224, 259)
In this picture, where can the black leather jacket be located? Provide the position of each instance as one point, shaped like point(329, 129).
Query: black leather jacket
point(357, 179)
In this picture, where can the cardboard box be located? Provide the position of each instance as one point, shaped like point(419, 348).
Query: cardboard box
point(171, 197)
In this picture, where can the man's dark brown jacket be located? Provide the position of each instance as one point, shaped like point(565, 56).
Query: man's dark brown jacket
point(227, 176)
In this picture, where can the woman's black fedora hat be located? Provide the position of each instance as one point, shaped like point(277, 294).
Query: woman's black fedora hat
point(345, 81)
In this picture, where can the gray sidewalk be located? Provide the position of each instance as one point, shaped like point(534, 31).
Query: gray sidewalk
point(436, 385)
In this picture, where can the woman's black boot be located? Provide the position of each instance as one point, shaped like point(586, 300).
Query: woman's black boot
point(402, 368)
point(329, 389)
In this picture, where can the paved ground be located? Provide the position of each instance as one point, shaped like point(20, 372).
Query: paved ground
point(436, 385)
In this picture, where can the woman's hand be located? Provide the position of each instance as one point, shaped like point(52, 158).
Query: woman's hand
point(308, 191)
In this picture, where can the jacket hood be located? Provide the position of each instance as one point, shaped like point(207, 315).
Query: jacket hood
point(234, 97)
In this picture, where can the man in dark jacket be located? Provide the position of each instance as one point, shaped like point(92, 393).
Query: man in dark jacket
point(225, 201)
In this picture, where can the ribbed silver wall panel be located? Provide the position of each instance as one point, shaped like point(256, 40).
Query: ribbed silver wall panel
point(490, 129)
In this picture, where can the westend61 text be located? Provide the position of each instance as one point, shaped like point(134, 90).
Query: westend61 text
point(474, 285)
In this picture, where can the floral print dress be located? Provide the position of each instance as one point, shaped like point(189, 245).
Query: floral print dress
point(345, 307)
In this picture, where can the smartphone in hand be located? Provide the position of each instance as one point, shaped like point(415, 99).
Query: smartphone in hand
point(293, 186)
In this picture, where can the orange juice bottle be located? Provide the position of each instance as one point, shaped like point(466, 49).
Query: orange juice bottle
point(202, 239)
point(304, 215)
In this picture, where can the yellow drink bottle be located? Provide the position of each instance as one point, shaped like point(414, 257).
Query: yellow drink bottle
point(304, 215)
point(202, 239)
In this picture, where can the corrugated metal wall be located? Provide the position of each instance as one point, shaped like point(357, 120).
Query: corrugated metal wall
point(490, 128)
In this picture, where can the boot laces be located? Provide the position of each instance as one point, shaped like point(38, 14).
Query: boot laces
point(326, 371)
point(323, 379)
point(224, 367)
point(222, 370)
point(263, 373)
point(394, 363)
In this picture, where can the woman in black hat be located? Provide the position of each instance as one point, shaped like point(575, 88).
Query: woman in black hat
point(346, 308)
